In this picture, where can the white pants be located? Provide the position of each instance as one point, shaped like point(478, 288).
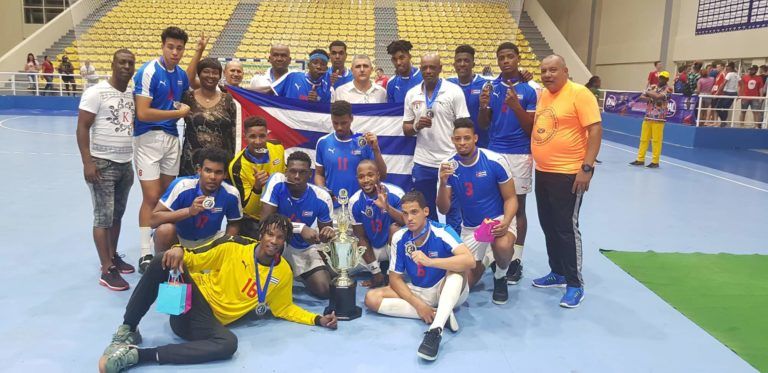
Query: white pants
point(303, 260)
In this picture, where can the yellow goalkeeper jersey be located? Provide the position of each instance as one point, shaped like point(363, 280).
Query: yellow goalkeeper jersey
point(228, 283)
point(242, 171)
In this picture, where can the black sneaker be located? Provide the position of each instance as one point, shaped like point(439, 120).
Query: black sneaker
point(112, 280)
point(430, 344)
point(500, 293)
point(637, 163)
point(144, 262)
point(121, 265)
point(652, 165)
point(514, 272)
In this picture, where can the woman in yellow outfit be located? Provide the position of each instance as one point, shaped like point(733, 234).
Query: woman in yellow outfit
point(657, 97)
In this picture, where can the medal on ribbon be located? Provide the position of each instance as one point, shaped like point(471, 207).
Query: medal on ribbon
point(261, 308)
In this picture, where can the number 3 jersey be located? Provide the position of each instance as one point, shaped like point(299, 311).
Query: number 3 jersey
point(476, 186)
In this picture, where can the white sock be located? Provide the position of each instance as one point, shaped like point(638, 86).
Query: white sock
point(145, 240)
point(449, 296)
point(500, 272)
point(518, 252)
point(398, 308)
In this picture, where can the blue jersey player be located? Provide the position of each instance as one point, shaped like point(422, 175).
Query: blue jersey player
point(406, 75)
point(435, 259)
point(508, 111)
point(192, 209)
point(338, 74)
point(337, 154)
point(308, 86)
point(305, 204)
point(472, 85)
point(484, 190)
point(376, 216)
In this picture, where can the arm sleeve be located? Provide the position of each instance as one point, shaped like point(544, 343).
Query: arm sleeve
point(319, 151)
point(530, 101)
point(356, 214)
point(170, 198)
point(326, 207)
point(268, 194)
point(390, 95)
point(408, 113)
point(207, 257)
point(143, 84)
point(280, 301)
point(234, 207)
point(397, 264)
point(501, 170)
point(461, 105)
point(587, 108)
point(281, 86)
point(90, 101)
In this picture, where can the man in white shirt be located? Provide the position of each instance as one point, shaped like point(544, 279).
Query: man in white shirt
point(88, 73)
point(105, 139)
point(280, 59)
point(430, 110)
point(361, 90)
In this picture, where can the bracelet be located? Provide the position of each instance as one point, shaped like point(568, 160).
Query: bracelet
point(317, 320)
point(297, 227)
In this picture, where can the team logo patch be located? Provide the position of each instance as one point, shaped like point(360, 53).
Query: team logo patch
point(481, 174)
point(432, 254)
point(356, 152)
point(276, 162)
point(217, 210)
point(306, 213)
point(274, 280)
point(368, 211)
point(476, 91)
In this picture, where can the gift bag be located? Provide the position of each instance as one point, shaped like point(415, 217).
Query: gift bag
point(483, 232)
point(174, 297)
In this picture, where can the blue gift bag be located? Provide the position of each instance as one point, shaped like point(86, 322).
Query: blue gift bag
point(174, 297)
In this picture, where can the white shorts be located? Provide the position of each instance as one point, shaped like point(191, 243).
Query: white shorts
point(303, 261)
point(381, 253)
point(155, 153)
point(521, 166)
point(431, 295)
point(478, 249)
point(191, 244)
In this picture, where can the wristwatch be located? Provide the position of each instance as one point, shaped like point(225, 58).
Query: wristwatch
point(587, 168)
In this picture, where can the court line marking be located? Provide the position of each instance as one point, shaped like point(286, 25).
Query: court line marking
point(35, 153)
point(2, 125)
point(693, 169)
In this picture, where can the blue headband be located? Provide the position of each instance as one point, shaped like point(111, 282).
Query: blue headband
point(318, 55)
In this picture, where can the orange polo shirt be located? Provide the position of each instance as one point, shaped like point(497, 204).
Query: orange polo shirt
point(559, 136)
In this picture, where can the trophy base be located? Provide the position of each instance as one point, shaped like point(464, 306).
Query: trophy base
point(343, 302)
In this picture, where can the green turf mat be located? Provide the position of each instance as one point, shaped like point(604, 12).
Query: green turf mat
point(725, 294)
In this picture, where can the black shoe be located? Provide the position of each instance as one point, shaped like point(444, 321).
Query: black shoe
point(430, 344)
point(500, 293)
point(112, 280)
point(652, 165)
point(144, 262)
point(514, 272)
point(637, 163)
point(121, 265)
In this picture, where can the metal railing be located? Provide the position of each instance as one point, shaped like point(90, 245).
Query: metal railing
point(720, 110)
point(40, 84)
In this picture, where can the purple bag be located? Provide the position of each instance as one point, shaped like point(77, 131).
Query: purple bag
point(483, 232)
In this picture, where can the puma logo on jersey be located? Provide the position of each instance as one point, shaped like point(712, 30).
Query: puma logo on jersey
point(331, 150)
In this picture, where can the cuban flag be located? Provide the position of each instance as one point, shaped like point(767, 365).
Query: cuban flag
point(299, 124)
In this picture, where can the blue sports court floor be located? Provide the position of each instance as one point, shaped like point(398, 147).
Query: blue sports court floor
point(56, 318)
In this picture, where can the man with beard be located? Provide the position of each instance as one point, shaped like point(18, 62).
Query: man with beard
point(230, 277)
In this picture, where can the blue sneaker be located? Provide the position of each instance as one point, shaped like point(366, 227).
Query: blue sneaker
point(572, 298)
point(551, 280)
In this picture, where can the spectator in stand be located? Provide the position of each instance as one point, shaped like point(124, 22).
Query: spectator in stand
point(681, 78)
point(730, 88)
point(594, 86)
point(31, 67)
point(67, 72)
point(693, 78)
point(717, 87)
point(47, 71)
point(653, 76)
point(381, 78)
point(89, 75)
point(764, 74)
point(704, 86)
point(751, 85)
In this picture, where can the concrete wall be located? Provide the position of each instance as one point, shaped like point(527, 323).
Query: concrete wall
point(572, 19)
point(628, 38)
point(45, 36)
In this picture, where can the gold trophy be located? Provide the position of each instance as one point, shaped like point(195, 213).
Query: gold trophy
point(343, 254)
